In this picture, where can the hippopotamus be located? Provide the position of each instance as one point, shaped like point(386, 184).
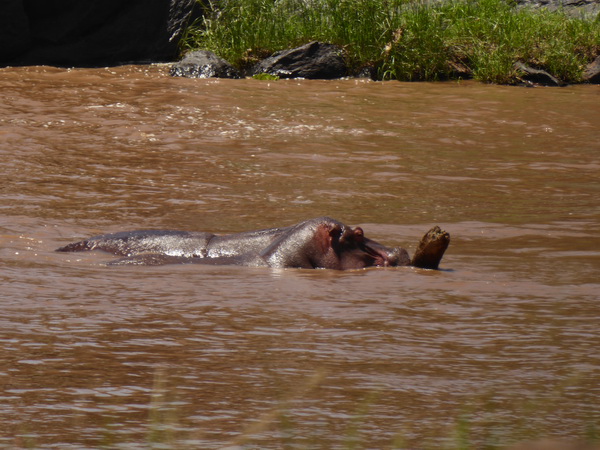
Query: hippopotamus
point(321, 243)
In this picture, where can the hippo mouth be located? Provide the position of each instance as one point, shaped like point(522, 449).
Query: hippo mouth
point(386, 257)
point(364, 252)
point(380, 258)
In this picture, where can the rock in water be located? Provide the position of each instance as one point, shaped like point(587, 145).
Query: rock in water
point(203, 64)
point(314, 60)
point(536, 76)
point(592, 72)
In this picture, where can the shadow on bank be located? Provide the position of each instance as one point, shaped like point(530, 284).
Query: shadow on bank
point(75, 33)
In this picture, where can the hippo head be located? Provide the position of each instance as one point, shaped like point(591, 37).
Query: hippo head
point(328, 244)
point(343, 247)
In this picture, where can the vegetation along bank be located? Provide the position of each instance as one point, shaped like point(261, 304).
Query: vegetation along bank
point(491, 41)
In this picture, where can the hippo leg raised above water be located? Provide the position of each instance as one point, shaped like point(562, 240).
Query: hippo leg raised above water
point(431, 249)
point(316, 243)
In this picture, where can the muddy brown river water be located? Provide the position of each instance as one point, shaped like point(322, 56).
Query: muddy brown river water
point(500, 346)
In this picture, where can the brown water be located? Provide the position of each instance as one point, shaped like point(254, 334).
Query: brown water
point(502, 345)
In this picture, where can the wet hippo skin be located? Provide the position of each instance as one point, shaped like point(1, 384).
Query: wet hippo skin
point(322, 243)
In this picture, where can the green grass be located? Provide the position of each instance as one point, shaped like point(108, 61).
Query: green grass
point(405, 40)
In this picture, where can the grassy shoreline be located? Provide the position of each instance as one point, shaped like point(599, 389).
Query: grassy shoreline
point(407, 41)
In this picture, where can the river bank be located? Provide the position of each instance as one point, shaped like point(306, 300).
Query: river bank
point(489, 41)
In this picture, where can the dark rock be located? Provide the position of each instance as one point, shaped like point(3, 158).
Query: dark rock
point(532, 76)
point(203, 64)
point(314, 60)
point(592, 72)
point(91, 34)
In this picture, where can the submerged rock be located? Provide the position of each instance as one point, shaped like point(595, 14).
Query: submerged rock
point(203, 64)
point(314, 60)
point(536, 77)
